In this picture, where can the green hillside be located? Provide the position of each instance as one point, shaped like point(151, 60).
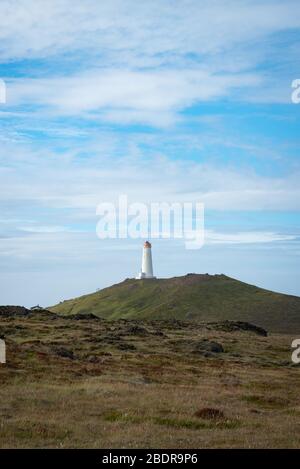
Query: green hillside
point(194, 296)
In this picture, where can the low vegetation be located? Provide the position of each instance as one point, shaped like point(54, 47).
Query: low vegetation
point(126, 383)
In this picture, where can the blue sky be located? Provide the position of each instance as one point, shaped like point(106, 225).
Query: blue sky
point(162, 101)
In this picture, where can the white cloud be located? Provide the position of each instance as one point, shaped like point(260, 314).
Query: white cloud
point(41, 28)
point(143, 61)
point(44, 179)
point(246, 237)
point(47, 247)
point(44, 229)
point(126, 96)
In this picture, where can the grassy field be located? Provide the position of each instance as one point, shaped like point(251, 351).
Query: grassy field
point(131, 384)
point(196, 297)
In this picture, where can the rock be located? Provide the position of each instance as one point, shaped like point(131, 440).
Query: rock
point(285, 363)
point(11, 311)
point(63, 352)
point(174, 323)
point(126, 346)
point(110, 338)
point(208, 347)
point(79, 316)
point(232, 326)
point(136, 330)
point(158, 333)
point(21, 311)
point(189, 315)
point(94, 359)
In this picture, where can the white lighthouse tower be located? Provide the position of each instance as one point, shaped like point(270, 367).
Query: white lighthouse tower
point(147, 267)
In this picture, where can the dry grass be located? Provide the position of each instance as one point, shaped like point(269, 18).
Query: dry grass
point(157, 394)
point(210, 413)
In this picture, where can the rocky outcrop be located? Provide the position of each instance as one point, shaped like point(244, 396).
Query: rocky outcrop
point(232, 326)
point(207, 347)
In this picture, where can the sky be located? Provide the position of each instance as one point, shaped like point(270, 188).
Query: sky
point(163, 101)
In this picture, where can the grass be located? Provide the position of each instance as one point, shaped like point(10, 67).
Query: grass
point(158, 395)
point(117, 416)
point(267, 402)
point(196, 425)
point(197, 297)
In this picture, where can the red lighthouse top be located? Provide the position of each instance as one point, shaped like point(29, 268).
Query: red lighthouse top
point(147, 244)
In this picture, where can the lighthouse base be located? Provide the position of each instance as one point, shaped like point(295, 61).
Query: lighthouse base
point(142, 276)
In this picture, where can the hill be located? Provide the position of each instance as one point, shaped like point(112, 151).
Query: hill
point(198, 297)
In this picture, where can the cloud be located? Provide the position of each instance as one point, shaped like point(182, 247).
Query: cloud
point(38, 179)
point(44, 229)
point(130, 29)
point(246, 237)
point(123, 96)
point(128, 64)
point(44, 246)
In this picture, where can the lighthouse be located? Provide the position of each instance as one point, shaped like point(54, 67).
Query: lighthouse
point(147, 267)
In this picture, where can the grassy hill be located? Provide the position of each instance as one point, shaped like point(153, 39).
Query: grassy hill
point(194, 296)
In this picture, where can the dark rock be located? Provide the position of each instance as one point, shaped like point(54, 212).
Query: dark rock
point(95, 339)
point(285, 363)
point(110, 338)
point(136, 330)
point(175, 324)
point(232, 326)
point(106, 354)
point(93, 359)
point(79, 316)
point(11, 311)
point(158, 333)
point(21, 311)
point(63, 352)
point(189, 315)
point(207, 347)
point(126, 346)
